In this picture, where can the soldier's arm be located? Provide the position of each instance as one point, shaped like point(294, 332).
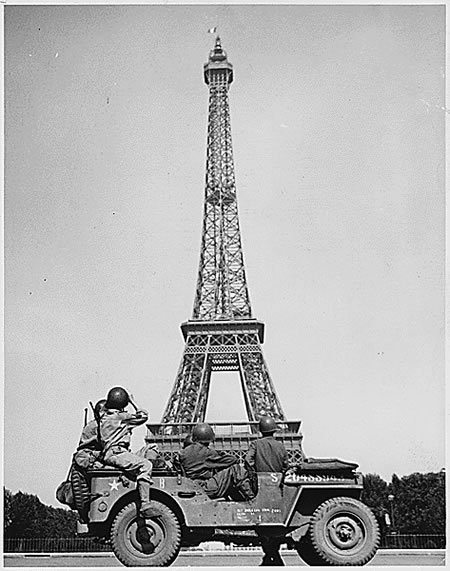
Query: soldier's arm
point(135, 419)
point(216, 461)
point(139, 417)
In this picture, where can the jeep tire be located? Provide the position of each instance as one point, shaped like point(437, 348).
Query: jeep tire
point(152, 542)
point(81, 493)
point(343, 531)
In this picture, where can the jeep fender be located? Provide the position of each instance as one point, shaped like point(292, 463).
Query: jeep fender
point(105, 509)
point(312, 490)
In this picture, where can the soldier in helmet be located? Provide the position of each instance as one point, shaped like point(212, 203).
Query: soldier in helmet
point(116, 426)
point(89, 446)
point(268, 455)
point(219, 474)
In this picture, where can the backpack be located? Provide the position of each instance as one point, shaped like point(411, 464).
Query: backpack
point(64, 492)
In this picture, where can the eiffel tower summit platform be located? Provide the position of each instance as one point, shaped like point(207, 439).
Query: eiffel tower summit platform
point(222, 334)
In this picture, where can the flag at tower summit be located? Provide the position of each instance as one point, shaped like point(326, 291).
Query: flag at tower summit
point(212, 30)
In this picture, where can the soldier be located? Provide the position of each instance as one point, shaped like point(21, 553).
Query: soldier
point(115, 430)
point(268, 455)
point(89, 446)
point(219, 475)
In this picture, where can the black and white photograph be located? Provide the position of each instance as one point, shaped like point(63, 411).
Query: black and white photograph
point(224, 285)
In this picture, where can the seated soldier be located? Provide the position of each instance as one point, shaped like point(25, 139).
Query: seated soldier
point(116, 426)
point(89, 447)
point(268, 455)
point(87, 453)
point(219, 474)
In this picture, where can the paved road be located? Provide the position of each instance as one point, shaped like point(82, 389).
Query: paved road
point(385, 557)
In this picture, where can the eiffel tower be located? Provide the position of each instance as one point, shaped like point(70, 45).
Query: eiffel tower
point(222, 335)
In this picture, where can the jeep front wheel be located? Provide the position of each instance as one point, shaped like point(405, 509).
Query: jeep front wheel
point(152, 542)
point(343, 531)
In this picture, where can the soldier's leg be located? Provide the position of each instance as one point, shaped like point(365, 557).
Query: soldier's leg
point(219, 484)
point(227, 481)
point(241, 482)
point(267, 559)
point(271, 548)
point(275, 549)
point(140, 468)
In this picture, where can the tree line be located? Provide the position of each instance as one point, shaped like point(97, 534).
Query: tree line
point(413, 504)
point(26, 516)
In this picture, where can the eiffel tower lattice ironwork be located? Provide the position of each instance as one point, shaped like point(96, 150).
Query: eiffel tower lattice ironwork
point(222, 334)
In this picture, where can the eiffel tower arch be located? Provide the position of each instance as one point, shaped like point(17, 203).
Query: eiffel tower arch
point(222, 334)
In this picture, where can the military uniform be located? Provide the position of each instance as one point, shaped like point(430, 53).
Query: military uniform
point(89, 446)
point(219, 474)
point(115, 433)
point(267, 455)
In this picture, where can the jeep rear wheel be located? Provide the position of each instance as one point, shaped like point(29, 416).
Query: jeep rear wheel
point(152, 542)
point(344, 531)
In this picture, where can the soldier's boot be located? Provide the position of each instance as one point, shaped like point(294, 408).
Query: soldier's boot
point(266, 561)
point(147, 510)
point(277, 560)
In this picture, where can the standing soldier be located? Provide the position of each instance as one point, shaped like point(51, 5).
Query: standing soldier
point(218, 474)
point(116, 426)
point(268, 455)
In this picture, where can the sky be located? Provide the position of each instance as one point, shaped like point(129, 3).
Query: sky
point(337, 116)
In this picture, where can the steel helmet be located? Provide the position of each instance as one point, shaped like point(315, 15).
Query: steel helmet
point(117, 398)
point(203, 433)
point(98, 408)
point(267, 425)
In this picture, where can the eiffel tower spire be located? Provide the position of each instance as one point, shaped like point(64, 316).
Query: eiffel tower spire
point(222, 334)
point(222, 291)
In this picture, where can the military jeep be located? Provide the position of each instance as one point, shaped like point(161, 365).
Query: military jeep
point(313, 508)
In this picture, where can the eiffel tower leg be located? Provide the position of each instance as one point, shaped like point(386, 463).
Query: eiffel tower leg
point(183, 400)
point(203, 393)
point(259, 386)
point(248, 404)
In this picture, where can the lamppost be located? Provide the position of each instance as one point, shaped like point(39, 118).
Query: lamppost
point(391, 499)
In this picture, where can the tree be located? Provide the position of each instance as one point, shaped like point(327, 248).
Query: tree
point(375, 495)
point(419, 503)
point(7, 518)
point(26, 516)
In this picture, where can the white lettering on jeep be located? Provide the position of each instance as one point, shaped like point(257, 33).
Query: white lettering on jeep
point(306, 478)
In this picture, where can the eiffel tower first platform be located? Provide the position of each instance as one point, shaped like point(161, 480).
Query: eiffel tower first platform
point(222, 335)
